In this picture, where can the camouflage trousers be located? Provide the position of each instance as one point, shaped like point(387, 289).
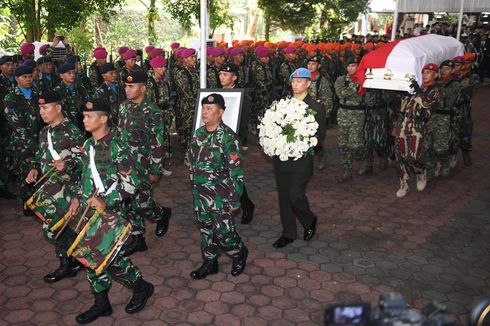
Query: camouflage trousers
point(4, 167)
point(21, 165)
point(64, 241)
point(186, 123)
point(350, 136)
point(410, 148)
point(141, 207)
point(218, 233)
point(259, 105)
point(462, 127)
point(376, 133)
point(439, 139)
point(121, 269)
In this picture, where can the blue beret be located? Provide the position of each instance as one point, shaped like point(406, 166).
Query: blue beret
point(6, 58)
point(66, 67)
point(31, 63)
point(42, 60)
point(73, 59)
point(106, 67)
point(300, 73)
point(23, 70)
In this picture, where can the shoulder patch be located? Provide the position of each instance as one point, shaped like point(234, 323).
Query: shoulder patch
point(233, 157)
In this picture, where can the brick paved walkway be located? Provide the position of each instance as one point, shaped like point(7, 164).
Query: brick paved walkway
point(428, 246)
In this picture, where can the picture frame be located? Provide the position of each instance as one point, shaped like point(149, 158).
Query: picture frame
point(233, 101)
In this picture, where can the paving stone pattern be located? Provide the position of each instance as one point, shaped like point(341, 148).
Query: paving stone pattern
point(428, 246)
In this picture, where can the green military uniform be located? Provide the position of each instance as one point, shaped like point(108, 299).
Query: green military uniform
point(262, 83)
point(7, 84)
point(21, 111)
point(124, 73)
point(376, 127)
point(48, 82)
point(212, 77)
point(83, 80)
point(217, 184)
point(350, 119)
point(285, 70)
point(141, 130)
point(158, 92)
point(73, 99)
point(94, 75)
point(103, 229)
point(115, 95)
point(187, 86)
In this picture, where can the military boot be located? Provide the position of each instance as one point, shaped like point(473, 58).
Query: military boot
point(467, 158)
point(162, 223)
point(383, 163)
point(137, 243)
point(347, 176)
point(102, 307)
point(421, 180)
point(453, 161)
point(210, 266)
point(142, 291)
point(239, 262)
point(365, 169)
point(68, 268)
point(403, 191)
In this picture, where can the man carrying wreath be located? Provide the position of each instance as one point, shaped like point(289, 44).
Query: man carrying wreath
point(292, 175)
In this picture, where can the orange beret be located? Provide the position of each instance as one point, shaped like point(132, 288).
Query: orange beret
point(469, 56)
point(295, 45)
point(269, 45)
point(356, 46)
point(311, 48)
point(368, 46)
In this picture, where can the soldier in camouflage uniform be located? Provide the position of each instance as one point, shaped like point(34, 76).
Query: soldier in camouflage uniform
point(107, 180)
point(187, 86)
point(286, 69)
point(23, 123)
point(237, 57)
point(7, 84)
point(142, 131)
point(112, 91)
point(73, 95)
point(375, 130)
point(440, 136)
point(120, 63)
point(217, 58)
point(320, 90)
point(261, 79)
point(81, 78)
point(47, 79)
point(217, 184)
point(350, 118)
point(59, 148)
point(411, 128)
point(463, 124)
point(94, 73)
point(129, 65)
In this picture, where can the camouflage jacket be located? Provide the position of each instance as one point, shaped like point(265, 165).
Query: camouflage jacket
point(6, 85)
point(415, 110)
point(114, 165)
point(124, 73)
point(48, 83)
point(262, 81)
point(321, 90)
point(187, 86)
point(216, 169)
point(83, 80)
point(142, 132)
point(374, 98)
point(119, 64)
point(468, 84)
point(115, 95)
point(22, 116)
point(212, 77)
point(73, 99)
point(158, 92)
point(285, 71)
point(242, 77)
point(347, 92)
point(67, 141)
point(450, 93)
point(329, 67)
point(94, 75)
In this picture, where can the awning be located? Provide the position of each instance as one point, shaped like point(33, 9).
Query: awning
point(424, 6)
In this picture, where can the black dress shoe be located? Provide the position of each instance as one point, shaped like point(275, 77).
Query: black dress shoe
point(68, 268)
point(142, 292)
point(136, 243)
point(162, 224)
point(248, 215)
point(310, 232)
point(282, 242)
point(207, 268)
point(102, 307)
point(239, 262)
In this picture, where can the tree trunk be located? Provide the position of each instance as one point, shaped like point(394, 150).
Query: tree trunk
point(152, 15)
point(252, 25)
point(267, 27)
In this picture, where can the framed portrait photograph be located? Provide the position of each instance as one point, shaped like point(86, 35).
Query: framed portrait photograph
point(233, 102)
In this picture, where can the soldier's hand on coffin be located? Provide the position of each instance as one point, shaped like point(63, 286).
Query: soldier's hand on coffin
point(58, 165)
point(32, 176)
point(153, 178)
point(74, 206)
point(416, 88)
point(96, 203)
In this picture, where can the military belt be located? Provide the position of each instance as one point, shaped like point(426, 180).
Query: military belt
point(375, 107)
point(352, 107)
point(448, 112)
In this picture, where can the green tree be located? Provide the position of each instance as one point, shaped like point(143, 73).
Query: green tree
point(188, 11)
point(334, 15)
point(38, 18)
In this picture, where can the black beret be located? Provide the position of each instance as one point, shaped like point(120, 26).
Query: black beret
point(31, 63)
point(314, 59)
point(214, 99)
point(447, 63)
point(106, 67)
point(136, 77)
point(66, 67)
point(351, 60)
point(16, 58)
point(42, 60)
point(23, 70)
point(49, 96)
point(229, 67)
point(6, 58)
point(73, 59)
point(99, 105)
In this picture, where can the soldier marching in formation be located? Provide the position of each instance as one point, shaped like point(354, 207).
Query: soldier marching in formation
point(94, 196)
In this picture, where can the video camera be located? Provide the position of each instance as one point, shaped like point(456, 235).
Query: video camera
point(393, 311)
